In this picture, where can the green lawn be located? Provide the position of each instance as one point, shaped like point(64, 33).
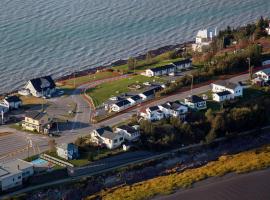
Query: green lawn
point(142, 64)
point(104, 91)
point(91, 77)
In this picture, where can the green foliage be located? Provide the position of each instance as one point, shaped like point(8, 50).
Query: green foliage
point(131, 63)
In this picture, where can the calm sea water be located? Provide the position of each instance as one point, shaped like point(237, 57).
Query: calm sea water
point(39, 37)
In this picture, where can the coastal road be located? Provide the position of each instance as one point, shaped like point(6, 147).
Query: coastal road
point(80, 124)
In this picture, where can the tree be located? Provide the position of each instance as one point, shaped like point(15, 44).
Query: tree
point(131, 63)
point(209, 115)
point(210, 137)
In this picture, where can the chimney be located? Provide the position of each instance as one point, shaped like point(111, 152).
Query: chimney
point(18, 167)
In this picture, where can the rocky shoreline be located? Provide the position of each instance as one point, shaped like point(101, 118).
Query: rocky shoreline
point(154, 52)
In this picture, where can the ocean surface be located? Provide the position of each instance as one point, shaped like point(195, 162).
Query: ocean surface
point(40, 37)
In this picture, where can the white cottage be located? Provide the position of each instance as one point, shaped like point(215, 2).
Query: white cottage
point(106, 136)
point(174, 109)
point(152, 113)
point(40, 87)
point(264, 74)
point(236, 90)
point(130, 133)
point(11, 102)
point(195, 102)
point(160, 71)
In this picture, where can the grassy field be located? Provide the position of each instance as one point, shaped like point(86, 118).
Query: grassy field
point(104, 91)
point(239, 163)
point(160, 60)
point(31, 100)
point(70, 83)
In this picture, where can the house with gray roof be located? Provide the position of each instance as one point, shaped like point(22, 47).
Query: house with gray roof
point(106, 136)
point(183, 64)
point(120, 105)
point(160, 71)
point(40, 87)
point(263, 74)
point(195, 102)
point(236, 89)
point(14, 173)
point(130, 133)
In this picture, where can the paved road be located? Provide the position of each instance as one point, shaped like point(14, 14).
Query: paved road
point(251, 186)
point(80, 124)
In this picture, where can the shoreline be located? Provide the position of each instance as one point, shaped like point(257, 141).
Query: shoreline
point(154, 52)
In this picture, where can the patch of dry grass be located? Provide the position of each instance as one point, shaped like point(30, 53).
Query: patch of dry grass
point(31, 100)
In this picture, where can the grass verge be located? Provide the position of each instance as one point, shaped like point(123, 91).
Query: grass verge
point(243, 162)
point(104, 91)
point(70, 83)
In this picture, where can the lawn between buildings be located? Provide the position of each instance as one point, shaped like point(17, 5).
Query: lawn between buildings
point(104, 91)
point(243, 162)
point(77, 81)
point(141, 65)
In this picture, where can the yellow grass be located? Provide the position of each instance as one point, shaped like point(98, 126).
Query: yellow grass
point(31, 100)
point(238, 163)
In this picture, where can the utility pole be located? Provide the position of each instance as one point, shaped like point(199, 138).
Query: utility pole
point(191, 86)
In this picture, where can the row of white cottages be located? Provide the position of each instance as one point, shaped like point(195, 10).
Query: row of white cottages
point(114, 138)
point(136, 99)
point(173, 109)
point(168, 69)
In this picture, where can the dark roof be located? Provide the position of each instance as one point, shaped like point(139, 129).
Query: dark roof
point(136, 97)
point(122, 103)
point(12, 99)
point(149, 92)
point(176, 105)
point(127, 128)
point(106, 132)
point(153, 108)
point(43, 83)
point(266, 71)
point(194, 99)
point(181, 62)
point(35, 115)
point(166, 105)
point(165, 67)
point(226, 84)
point(223, 93)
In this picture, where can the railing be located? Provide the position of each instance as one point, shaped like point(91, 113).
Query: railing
point(56, 161)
